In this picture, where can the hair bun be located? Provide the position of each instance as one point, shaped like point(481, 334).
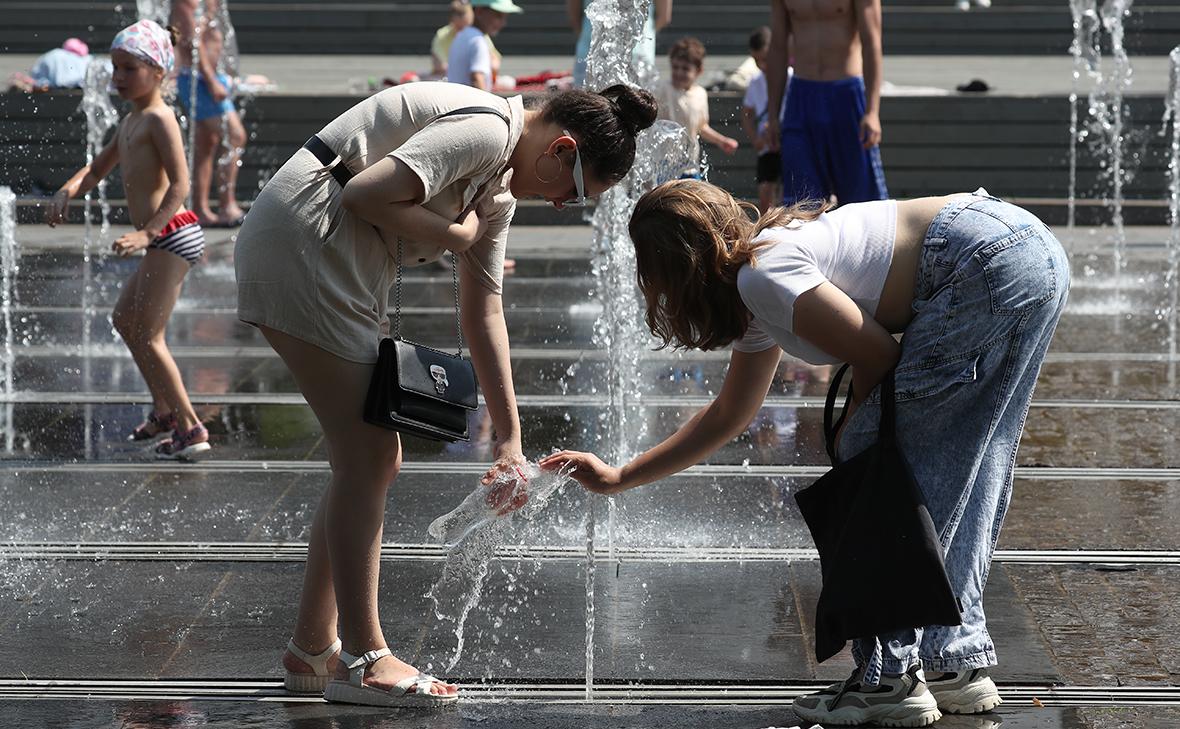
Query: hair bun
point(636, 108)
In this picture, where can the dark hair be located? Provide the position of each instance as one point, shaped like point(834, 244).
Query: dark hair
point(691, 238)
point(688, 49)
point(760, 39)
point(605, 124)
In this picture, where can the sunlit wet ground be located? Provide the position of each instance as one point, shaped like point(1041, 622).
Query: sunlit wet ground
point(188, 574)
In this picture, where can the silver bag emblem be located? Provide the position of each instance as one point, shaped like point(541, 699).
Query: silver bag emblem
point(440, 378)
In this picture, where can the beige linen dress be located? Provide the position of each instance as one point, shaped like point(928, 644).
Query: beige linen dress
point(311, 269)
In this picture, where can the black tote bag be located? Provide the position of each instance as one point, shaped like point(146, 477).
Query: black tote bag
point(880, 557)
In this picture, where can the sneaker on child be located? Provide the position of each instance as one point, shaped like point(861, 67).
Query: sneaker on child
point(184, 446)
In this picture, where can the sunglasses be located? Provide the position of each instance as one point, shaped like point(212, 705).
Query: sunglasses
point(579, 180)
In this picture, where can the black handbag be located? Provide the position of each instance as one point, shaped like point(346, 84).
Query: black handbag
point(418, 390)
point(880, 557)
point(415, 389)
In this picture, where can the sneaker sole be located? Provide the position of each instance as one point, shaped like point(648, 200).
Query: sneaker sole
point(184, 454)
point(972, 704)
point(909, 713)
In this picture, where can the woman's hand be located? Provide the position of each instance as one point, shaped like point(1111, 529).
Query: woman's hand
point(506, 494)
point(589, 470)
point(56, 210)
point(131, 242)
point(473, 228)
point(509, 458)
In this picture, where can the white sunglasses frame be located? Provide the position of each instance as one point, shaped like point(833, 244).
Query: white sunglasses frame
point(579, 179)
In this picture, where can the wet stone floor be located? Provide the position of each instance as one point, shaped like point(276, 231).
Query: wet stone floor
point(137, 594)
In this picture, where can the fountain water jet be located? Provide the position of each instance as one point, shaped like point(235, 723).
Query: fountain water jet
point(101, 117)
point(1172, 277)
point(1104, 127)
point(661, 154)
point(9, 258)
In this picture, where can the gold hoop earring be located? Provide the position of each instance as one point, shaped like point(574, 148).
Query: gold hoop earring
point(537, 170)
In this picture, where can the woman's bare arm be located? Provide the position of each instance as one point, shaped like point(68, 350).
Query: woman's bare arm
point(482, 314)
point(389, 195)
point(827, 318)
point(745, 387)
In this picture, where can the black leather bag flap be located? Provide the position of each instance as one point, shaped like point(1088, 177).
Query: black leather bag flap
point(437, 375)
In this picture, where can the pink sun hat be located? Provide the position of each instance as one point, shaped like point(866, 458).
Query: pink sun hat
point(77, 46)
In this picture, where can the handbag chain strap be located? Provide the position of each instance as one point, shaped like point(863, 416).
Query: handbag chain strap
point(397, 292)
point(397, 298)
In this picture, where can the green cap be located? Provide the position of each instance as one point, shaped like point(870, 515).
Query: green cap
point(502, 6)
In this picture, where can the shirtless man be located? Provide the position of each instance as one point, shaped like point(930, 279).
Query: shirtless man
point(214, 107)
point(832, 126)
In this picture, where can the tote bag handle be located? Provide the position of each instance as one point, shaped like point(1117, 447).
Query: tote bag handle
point(886, 430)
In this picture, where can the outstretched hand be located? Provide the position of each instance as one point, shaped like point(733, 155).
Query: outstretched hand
point(589, 470)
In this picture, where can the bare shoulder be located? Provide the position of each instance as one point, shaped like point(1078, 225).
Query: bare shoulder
point(163, 128)
point(162, 118)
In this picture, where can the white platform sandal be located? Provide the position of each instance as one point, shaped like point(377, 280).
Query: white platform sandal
point(310, 683)
point(412, 691)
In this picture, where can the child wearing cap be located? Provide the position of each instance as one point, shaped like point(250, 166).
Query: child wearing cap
point(148, 150)
point(471, 60)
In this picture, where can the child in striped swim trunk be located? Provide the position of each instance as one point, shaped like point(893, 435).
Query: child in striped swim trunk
point(147, 147)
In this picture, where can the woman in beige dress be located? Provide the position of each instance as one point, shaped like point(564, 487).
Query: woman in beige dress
point(315, 262)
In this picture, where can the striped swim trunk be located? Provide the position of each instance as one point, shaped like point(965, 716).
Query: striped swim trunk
point(182, 236)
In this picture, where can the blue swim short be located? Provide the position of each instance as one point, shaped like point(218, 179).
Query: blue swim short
point(207, 108)
point(821, 150)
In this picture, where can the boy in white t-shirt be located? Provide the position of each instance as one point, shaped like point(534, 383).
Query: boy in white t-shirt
point(440, 47)
point(683, 101)
point(755, 117)
point(471, 60)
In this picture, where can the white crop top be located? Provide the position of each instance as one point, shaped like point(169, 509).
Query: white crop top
point(851, 247)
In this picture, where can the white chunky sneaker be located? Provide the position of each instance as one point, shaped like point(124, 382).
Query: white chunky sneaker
point(899, 701)
point(965, 692)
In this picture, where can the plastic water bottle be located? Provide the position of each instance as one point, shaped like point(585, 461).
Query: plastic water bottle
point(497, 500)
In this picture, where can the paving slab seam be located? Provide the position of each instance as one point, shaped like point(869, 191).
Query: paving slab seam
point(634, 693)
point(272, 552)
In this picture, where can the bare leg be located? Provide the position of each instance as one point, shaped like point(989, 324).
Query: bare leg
point(315, 627)
point(235, 140)
point(140, 318)
point(124, 321)
point(207, 142)
point(365, 460)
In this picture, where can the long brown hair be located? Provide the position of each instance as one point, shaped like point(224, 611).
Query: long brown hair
point(691, 238)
